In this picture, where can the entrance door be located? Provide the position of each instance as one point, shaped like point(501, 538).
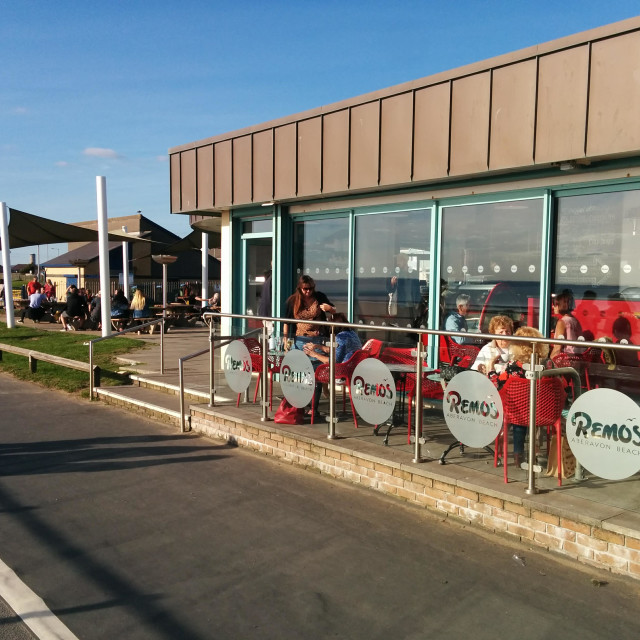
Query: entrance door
point(257, 262)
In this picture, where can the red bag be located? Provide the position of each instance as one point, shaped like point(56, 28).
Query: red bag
point(288, 414)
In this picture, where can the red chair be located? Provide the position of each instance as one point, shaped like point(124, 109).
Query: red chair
point(343, 372)
point(255, 353)
point(580, 362)
point(450, 350)
point(550, 401)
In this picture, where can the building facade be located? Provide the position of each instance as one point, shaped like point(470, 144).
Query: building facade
point(510, 179)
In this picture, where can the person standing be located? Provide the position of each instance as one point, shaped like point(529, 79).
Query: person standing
point(33, 286)
point(406, 291)
point(50, 290)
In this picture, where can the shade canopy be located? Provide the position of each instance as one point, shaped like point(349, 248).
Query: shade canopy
point(190, 242)
point(26, 230)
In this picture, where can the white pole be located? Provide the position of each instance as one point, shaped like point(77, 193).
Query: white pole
point(6, 265)
point(103, 246)
point(125, 266)
point(205, 266)
point(164, 289)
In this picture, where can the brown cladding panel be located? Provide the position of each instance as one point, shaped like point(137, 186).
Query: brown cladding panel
point(205, 176)
point(396, 139)
point(365, 145)
point(310, 157)
point(242, 170)
point(614, 96)
point(513, 108)
point(188, 181)
point(174, 168)
point(263, 166)
point(563, 79)
point(470, 124)
point(285, 161)
point(335, 156)
point(222, 161)
point(431, 138)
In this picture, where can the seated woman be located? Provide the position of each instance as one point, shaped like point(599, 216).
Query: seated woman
point(622, 333)
point(347, 343)
point(567, 327)
point(496, 351)
point(519, 353)
point(139, 305)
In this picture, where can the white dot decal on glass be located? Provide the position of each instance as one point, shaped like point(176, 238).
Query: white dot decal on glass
point(563, 268)
point(465, 269)
point(373, 269)
point(384, 270)
point(361, 270)
point(317, 270)
point(337, 269)
point(496, 268)
point(449, 269)
point(627, 268)
point(514, 268)
point(604, 268)
point(480, 268)
point(397, 269)
point(584, 268)
point(326, 270)
point(298, 270)
point(307, 270)
point(532, 268)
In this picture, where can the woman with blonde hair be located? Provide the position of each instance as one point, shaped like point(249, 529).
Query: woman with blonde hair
point(520, 353)
point(139, 305)
point(496, 352)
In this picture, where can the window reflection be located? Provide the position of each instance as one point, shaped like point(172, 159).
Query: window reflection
point(321, 250)
point(491, 252)
point(598, 264)
point(392, 257)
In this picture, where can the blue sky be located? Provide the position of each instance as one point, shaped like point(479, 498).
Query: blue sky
point(106, 88)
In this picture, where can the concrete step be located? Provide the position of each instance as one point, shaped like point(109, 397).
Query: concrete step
point(157, 405)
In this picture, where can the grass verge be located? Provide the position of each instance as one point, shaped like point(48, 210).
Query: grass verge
point(68, 345)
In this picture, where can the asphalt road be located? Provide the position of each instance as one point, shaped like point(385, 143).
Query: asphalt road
point(128, 529)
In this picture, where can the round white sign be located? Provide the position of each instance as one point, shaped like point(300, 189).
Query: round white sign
point(584, 268)
point(473, 409)
point(297, 378)
point(237, 366)
point(373, 391)
point(627, 268)
point(480, 268)
point(532, 268)
point(603, 430)
point(514, 268)
point(604, 268)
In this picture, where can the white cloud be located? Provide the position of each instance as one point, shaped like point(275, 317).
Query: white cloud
point(162, 158)
point(20, 111)
point(62, 163)
point(99, 152)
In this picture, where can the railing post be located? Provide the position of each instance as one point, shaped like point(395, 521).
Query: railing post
point(212, 365)
point(181, 383)
point(91, 377)
point(533, 374)
point(331, 435)
point(265, 374)
point(417, 456)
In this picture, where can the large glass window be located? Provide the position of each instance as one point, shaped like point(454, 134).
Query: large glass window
point(492, 252)
point(321, 250)
point(392, 255)
point(598, 261)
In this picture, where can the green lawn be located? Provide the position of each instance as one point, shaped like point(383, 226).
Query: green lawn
point(68, 345)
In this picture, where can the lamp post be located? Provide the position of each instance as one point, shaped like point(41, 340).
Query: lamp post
point(164, 260)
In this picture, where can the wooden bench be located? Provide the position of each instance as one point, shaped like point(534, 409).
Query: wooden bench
point(35, 356)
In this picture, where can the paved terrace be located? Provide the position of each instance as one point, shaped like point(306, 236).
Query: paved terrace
point(595, 521)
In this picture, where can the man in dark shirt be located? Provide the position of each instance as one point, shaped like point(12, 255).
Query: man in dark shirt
point(75, 310)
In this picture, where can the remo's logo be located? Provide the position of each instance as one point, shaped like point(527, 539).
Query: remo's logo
point(297, 378)
point(237, 366)
point(473, 409)
point(373, 391)
point(603, 430)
